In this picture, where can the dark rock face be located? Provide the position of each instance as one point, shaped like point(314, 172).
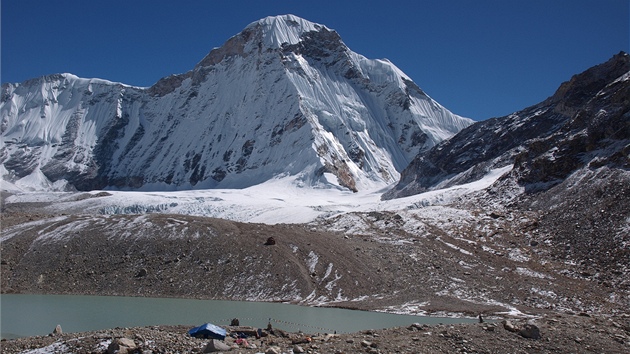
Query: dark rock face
point(597, 135)
point(584, 122)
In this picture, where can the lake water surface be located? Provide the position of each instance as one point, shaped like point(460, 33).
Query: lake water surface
point(31, 315)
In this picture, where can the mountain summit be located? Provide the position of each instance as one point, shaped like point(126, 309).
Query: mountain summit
point(283, 30)
point(283, 97)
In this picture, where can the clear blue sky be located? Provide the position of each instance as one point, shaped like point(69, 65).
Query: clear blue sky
point(478, 58)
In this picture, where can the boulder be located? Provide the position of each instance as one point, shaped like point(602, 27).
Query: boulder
point(57, 330)
point(216, 346)
point(530, 331)
point(273, 350)
point(121, 346)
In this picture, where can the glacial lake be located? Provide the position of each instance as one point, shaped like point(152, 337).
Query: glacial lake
point(37, 315)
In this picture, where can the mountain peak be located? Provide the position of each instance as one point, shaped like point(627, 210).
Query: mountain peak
point(277, 30)
point(284, 97)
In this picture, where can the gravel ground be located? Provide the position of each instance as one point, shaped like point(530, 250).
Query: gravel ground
point(557, 334)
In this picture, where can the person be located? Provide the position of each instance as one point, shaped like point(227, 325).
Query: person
point(269, 327)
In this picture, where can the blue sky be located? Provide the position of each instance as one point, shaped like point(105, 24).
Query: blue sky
point(480, 59)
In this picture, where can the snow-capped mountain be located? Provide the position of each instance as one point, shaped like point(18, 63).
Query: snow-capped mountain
point(283, 97)
point(583, 125)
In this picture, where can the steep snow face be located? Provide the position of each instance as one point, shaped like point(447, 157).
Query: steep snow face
point(283, 97)
point(282, 30)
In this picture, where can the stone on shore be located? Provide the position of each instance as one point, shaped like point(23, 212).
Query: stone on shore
point(121, 346)
point(216, 346)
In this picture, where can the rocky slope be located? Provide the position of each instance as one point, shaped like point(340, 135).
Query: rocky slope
point(284, 96)
point(584, 124)
point(419, 260)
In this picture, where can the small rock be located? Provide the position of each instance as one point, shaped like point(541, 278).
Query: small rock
point(497, 214)
point(298, 349)
point(273, 350)
point(619, 338)
point(509, 326)
point(416, 326)
point(57, 330)
point(366, 344)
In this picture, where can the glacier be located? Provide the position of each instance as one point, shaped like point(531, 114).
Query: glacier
point(284, 97)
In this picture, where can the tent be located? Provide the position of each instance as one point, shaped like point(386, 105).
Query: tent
point(208, 330)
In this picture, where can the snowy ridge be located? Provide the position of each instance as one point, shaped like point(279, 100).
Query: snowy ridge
point(307, 106)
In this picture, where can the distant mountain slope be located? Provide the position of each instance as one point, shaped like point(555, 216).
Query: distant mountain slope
point(284, 96)
point(586, 123)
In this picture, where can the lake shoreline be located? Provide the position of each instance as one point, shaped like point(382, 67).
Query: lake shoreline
point(559, 333)
point(30, 315)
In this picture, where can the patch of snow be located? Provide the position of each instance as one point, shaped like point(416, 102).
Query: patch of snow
point(455, 247)
point(9, 232)
point(408, 308)
point(329, 286)
point(54, 348)
point(312, 260)
point(531, 273)
point(546, 293)
point(516, 254)
point(328, 271)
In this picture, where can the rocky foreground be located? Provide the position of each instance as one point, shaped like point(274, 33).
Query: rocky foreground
point(547, 334)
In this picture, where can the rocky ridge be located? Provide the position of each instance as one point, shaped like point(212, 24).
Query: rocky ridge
point(584, 124)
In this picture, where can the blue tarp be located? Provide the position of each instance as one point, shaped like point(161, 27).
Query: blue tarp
point(208, 330)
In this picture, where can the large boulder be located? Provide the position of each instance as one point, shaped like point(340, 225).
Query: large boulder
point(121, 346)
point(216, 346)
point(530, 331)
